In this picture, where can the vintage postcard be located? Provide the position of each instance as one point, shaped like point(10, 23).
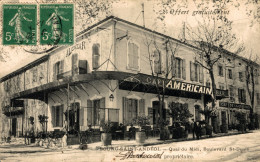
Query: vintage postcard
point(129, 80)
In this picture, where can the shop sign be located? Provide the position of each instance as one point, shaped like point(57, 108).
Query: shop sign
point(81, 46)
point(234, 105)
point(172, 84)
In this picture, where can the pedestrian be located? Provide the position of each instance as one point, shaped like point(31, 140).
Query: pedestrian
point(131, 132)
point(193, 128)
point(198, 130)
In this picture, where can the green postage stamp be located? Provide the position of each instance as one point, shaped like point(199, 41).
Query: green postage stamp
point(19, 24)
point(56, 24)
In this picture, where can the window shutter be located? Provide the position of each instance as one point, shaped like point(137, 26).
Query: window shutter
point(136, 57)
point(141, 107)
point(54, 72)
point(81, 117)
point(61, 115)
point(192, 71)
point(61, 66)
point(239, 95)
point(102, 110)
point(201, 74)
point(53, 116)
point(150, 114)
point(89, 112)
point(184, 69)
point(244, 96)
point(74, 64)
point(173, 66)
point(125, 111)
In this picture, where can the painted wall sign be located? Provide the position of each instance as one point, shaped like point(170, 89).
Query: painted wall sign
point(81, 46)
point(234, 105)
point(172, 84)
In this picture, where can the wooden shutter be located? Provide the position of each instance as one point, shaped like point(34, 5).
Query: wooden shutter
point(61, 66)
point(81, 117)
point(239, 95)
point(150, 114)
point(54, 72)
point(141, 107)
point(53, 116)
point(201, 76)
point(125, 105)
point(89, 112)
point(192, 74)
point(244, 96)
point(61, 115)
point(102, 109)
point(173, 66)
point(184, 69)
point(74, 64)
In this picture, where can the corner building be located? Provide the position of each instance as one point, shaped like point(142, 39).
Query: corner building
point(106, 75)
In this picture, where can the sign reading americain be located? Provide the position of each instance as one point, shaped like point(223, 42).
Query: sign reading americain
point(171, 84)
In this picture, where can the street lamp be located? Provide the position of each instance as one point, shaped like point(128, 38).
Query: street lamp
point(111, 97)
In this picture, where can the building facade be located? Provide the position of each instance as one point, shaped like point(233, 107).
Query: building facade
point(107, 75)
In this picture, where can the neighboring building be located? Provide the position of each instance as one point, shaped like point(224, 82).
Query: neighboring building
point(106, 75)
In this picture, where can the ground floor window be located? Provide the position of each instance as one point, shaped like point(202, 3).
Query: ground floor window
point(57, 116)
point(131, 109)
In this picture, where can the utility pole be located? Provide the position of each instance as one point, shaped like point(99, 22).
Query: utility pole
point(68, 107)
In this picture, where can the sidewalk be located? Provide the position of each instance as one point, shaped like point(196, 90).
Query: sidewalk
point(150, 141)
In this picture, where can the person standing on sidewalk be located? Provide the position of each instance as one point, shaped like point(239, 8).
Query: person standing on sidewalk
point(193, 125)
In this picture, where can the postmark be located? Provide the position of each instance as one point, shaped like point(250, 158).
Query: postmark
point(19, 24)
point(56, 24)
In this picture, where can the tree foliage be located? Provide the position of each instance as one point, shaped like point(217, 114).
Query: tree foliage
point(179, 112)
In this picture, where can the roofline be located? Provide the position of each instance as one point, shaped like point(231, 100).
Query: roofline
point(28, 66)
point(45, 57)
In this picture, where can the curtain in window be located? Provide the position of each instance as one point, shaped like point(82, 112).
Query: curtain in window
point(95, 56)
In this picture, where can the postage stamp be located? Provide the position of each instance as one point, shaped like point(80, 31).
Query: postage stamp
point(56, 24)
point(19, 24)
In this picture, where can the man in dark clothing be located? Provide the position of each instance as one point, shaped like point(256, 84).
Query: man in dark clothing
point(193, 125)
point(131, 132)
point(198, 130)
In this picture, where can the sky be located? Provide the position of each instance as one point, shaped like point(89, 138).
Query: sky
point(130, 10)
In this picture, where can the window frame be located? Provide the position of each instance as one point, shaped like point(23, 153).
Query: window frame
point(220, 70)
point(230, 74)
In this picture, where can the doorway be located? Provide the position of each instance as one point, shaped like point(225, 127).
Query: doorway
point(156, 106)
point(14, 125)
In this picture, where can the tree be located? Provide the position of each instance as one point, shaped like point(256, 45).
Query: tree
point(161, 68)
point(211, 35)
point(179, 112)
point(251, 75)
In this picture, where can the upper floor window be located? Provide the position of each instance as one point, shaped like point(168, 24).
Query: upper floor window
point(256, 76)
point(178, 68)
point(231, 91)
point(258, 98)
point(157, 62)
point(240, 74)
point(96, 56)
point(220, 70)
point(132, 56)
point(196, 72)
point(221, 86)
point(207, 84)
point(58, 68)
point(230, 74)
point(241, 95)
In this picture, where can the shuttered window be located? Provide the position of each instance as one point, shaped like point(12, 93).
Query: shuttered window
point(179, 68)
point(96, 56)
point(196, 72)
point(132, 108)
point(241, 95)
point(157, 62)
point(133, 56)
point(74, 64)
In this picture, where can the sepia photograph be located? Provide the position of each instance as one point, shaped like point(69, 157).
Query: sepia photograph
point(129, 80)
